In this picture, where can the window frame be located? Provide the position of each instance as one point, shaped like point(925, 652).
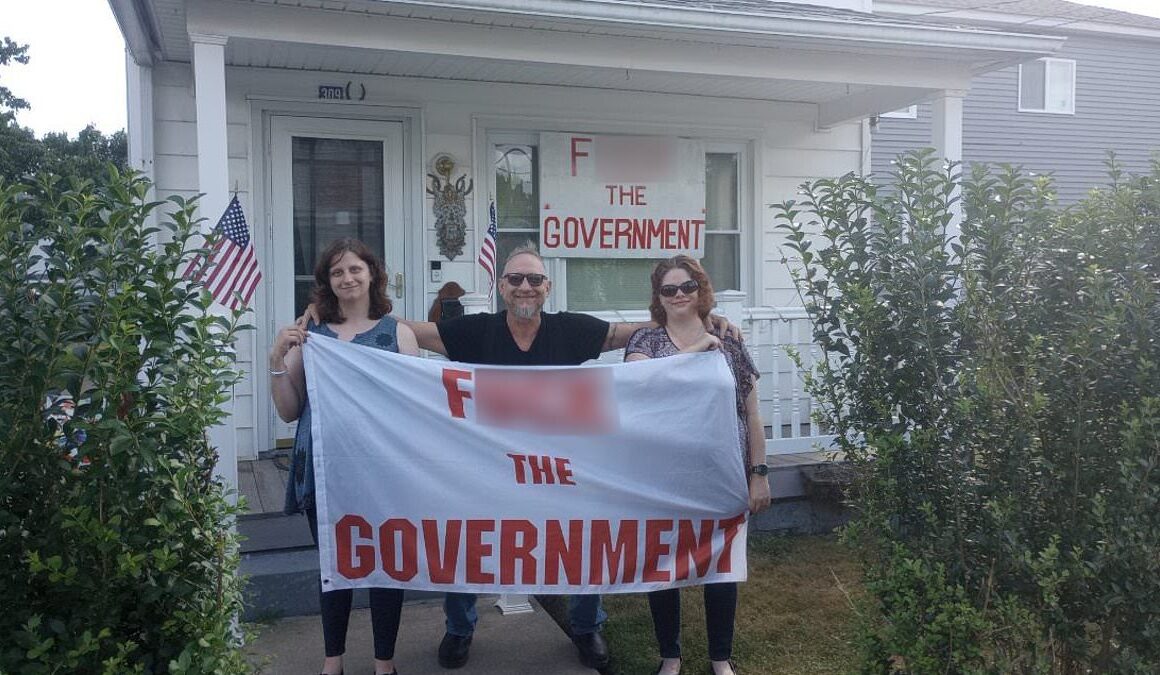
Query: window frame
point(557, 268)
point(1047, 64)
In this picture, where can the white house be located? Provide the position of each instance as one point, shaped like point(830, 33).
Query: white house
point(326, 117)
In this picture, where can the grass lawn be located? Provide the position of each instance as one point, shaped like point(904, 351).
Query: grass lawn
point(793, 615)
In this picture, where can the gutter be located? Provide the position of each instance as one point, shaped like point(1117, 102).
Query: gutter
point(864, 28)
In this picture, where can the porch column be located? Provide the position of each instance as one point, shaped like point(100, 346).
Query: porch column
point(947, 140)
point(139, 127)
point(213, 180)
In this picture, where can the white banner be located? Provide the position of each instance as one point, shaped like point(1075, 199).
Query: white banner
point(621, 196)
point(444, 476)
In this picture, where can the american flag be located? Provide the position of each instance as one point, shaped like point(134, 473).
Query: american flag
point(487, 249)
point(232, 267)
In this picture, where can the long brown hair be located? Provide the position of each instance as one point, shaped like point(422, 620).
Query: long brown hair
point(705, 299)
point(323, 297)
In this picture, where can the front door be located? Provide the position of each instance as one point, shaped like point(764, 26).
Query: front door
point(333, 178)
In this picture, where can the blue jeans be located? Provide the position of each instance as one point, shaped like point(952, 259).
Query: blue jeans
point(584, 613)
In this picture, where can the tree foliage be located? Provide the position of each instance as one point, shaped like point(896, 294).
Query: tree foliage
point(116, 552)
point(1000, 396)
point(22, 154)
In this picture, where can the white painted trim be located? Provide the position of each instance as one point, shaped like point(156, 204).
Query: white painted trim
point(139, 123)
point(209, 74)
point(947, 140)
point(728, 44)
point(1047, 63)
point(870, 28)
point(262, 108)
point(136, 31)
point(910, 112)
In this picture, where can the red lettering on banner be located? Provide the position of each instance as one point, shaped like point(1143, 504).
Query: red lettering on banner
point(455, 395)
point(545, 470)
point(623, 231)
point(670, 234)
point(620, 195)
point(408, 566)
point(477, 551)
point(354, 562)
point(576, 152)
point(511, 552)
point(731, 527)
point(519, 460)
point(541, 470)
point(656, 230)
point(690, 546)
point(588, 232)
point(572, 231)
point(442, 567)
point(605, 232)
point(551, 232)
point(607, 556)
point(697, 233)
point(654, 549)
point(563, 471)
point(510, 557)
point(559, 554)
point(683, 234)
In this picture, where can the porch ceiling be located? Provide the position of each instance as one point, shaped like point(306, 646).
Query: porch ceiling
point(265, 54)
point(849, 64)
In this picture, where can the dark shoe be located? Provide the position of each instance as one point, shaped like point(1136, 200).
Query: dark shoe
point(732, 665)
point(593, 649)
point(661, 666)
point(453, 651)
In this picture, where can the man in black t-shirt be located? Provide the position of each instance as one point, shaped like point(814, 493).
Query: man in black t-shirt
point(523, 335)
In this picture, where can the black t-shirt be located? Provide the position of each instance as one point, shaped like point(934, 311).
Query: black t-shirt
point(564, 339)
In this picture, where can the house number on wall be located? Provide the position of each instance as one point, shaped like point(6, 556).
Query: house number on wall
point(338, 92)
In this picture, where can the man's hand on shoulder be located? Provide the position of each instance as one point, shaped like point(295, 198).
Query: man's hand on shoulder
point(722, 328)
point(310, 314)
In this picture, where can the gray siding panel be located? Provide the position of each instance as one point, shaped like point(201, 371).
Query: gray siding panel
point(1117, 107)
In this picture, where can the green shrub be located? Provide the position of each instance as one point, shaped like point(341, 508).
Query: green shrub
point(116, 553)
point(999, 393)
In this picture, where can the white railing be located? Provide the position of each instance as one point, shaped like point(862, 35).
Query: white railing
point(771, 333)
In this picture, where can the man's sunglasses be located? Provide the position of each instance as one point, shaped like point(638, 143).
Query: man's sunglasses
point(516, 278)
point(688, 288)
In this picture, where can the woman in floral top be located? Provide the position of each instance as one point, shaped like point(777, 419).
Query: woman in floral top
point(682, 296)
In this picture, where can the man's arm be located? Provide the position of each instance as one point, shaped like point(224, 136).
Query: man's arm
point(427, 335)
point(620, 331)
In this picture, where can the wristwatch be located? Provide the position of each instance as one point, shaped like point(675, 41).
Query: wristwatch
point(759, 470)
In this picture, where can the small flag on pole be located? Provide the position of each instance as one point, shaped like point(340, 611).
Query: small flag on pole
point(487, 248)
point(232, 266)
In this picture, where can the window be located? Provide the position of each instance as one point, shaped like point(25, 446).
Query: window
point(907, 113)
point(517, 200)
point(1047, 86)
point(597, 284)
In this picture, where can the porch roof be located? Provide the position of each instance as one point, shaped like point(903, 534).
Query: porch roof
point(850, 64)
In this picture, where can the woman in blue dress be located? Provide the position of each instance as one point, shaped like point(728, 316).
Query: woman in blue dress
point(352, 305)
point(682, 297)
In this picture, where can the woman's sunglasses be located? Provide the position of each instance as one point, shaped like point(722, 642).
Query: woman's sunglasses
point(688, 288)
point(534, 280)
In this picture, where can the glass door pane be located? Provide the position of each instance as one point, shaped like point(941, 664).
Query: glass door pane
point(337, 192)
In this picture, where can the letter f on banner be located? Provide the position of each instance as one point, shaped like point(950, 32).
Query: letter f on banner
point(455, 395)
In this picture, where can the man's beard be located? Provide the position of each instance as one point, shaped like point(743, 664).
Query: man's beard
point(524, 311)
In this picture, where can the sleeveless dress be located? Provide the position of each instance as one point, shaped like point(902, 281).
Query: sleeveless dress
point(300, 482)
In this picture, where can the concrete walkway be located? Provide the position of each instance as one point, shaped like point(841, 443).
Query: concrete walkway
point(516, 644)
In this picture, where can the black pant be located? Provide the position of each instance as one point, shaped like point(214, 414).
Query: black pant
point(720, 609)
point(386, 610)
